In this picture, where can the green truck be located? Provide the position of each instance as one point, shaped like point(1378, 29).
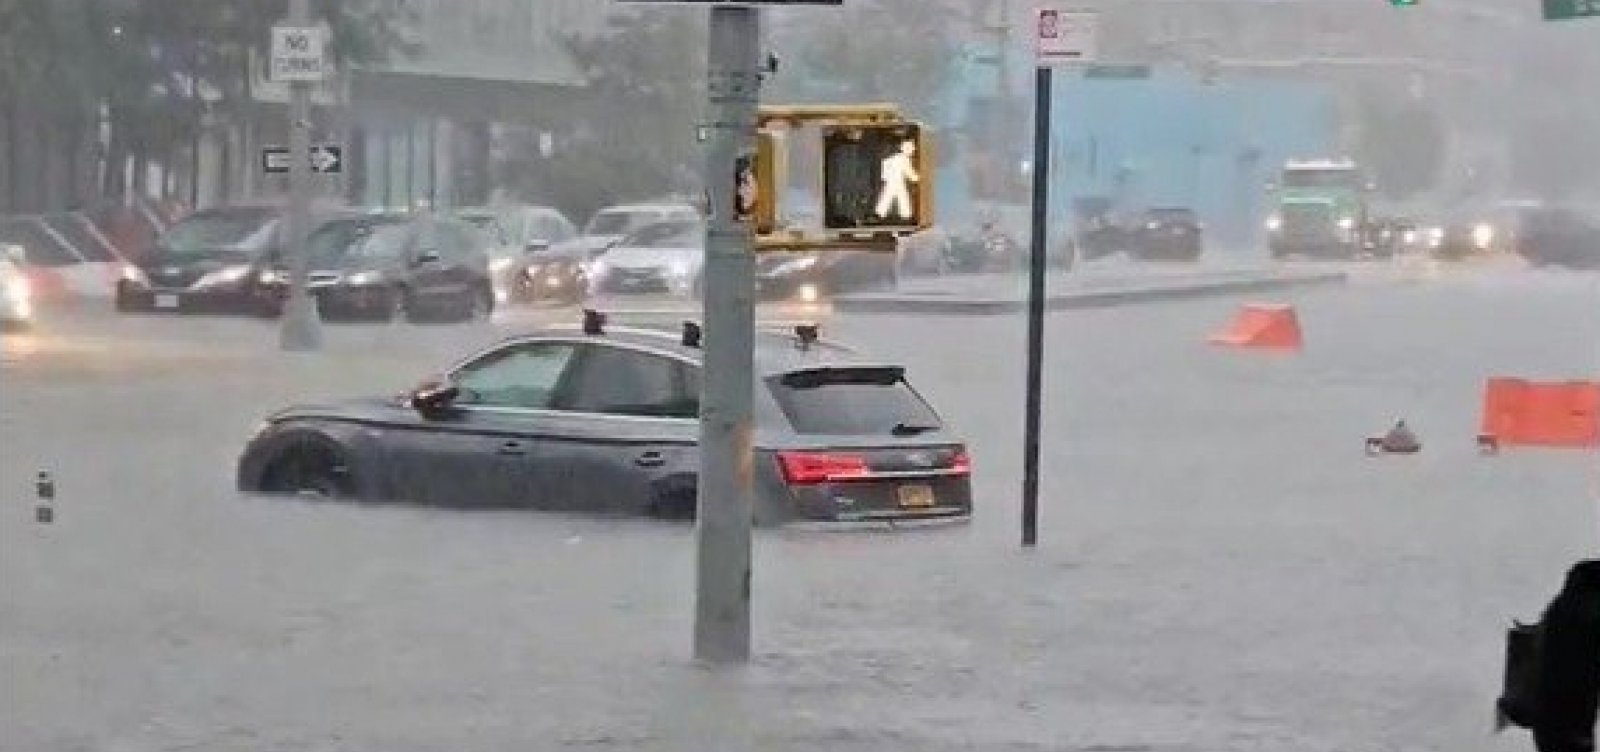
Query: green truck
point(1319, 208)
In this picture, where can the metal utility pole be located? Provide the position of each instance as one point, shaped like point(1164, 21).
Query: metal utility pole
point(1038, 224)
point(302, 329)
point(722, 592)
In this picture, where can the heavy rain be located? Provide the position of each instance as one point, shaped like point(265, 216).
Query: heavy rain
point(375, 374)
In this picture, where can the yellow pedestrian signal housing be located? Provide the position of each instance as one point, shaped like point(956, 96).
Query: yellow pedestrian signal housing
point(756, 184)
point(877, 176)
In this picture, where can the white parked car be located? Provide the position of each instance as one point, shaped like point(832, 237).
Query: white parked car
point(609, 226)
point(663, 257)
point(521, 233)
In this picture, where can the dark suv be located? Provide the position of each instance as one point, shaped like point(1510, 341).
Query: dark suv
point(1168, 234)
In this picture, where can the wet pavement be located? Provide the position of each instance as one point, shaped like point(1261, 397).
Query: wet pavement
point(1221, 567)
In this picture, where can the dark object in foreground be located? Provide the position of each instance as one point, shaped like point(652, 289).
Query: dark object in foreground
point(1552, 671)
point(606, 419)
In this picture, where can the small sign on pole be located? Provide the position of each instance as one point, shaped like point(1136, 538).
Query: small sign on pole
point(1066, 36)
point(298, 54)
point(325, 159)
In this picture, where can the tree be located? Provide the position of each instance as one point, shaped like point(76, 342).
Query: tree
point(631, 132)
point(867, 50)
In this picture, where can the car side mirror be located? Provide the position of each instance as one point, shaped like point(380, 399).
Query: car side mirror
point(537, 246)
point(433, 400)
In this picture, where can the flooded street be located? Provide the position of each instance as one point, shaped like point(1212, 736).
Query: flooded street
point(1220, 566)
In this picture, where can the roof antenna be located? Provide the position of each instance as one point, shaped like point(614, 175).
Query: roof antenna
point(594, 322)
point(807, 335)
point(691, 334)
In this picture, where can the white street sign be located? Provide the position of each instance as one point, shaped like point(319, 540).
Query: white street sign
point(1066, 36)
point(298, 54)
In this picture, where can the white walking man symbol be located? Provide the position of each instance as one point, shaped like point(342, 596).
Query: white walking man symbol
point(897, 174)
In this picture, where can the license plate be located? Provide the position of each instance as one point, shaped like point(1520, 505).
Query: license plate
point(915, 496)
point(166, 301)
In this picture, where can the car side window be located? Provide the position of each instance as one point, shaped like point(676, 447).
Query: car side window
point(522, 376)
point(620, 381)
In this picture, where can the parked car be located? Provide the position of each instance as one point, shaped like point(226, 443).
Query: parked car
point(665, 257)
point(16, 293)
point(521, 233)
point(611, 225)
point(212, 260)
point(589, 420)
point(1168, 234)
point(810, 276)
point(390, 266)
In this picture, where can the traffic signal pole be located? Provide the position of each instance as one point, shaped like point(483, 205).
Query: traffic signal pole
point(1036, 292)
point(301, 329)
point(723, 560)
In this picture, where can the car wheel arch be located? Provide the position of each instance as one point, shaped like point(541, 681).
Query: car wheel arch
point(295, 444)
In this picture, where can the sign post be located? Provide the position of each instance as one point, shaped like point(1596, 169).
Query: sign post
point(1060, 36)
point(298, 57)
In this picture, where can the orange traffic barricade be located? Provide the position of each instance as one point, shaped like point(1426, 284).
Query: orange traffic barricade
point(1531, 413)
point(1263, 325)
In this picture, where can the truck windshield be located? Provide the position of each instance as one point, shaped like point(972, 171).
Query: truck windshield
point(1319, 179)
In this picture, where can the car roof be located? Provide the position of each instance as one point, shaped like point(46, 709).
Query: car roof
point(777, 349)
point(650, 207)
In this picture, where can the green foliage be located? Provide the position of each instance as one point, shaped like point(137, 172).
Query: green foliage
point(868, 51)
point(632, 128)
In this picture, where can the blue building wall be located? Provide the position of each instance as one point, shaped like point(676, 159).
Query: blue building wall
point(1166, 140)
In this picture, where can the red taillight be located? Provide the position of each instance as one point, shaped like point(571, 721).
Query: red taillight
point(808, 468)
point(961, 463)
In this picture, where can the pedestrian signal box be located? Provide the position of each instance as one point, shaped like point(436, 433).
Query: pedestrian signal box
point(877, 176)
point(755, 178)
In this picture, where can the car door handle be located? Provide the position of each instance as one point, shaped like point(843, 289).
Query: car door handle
point(650, 459)
point(513, 449)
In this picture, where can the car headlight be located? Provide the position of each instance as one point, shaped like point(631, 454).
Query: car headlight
point(1347, 223)
point(1152, 225)
point(1408, 237)
point(1435, 236)
point(595, 268)
point(364, 278)
point(1274, 223)
point(679, 268)
point(17, 289)
point(500, 264)
point(273, 277)
point(225, 276)
point(134, 274)
point(1482, 236)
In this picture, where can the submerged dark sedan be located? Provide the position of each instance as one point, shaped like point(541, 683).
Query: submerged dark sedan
point(608, 422)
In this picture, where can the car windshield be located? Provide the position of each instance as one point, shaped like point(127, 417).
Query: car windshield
point(617, 222)
point(667, 235)
point(852, 402)
point(221, 231)
point(385, 242)
point(333, 241)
